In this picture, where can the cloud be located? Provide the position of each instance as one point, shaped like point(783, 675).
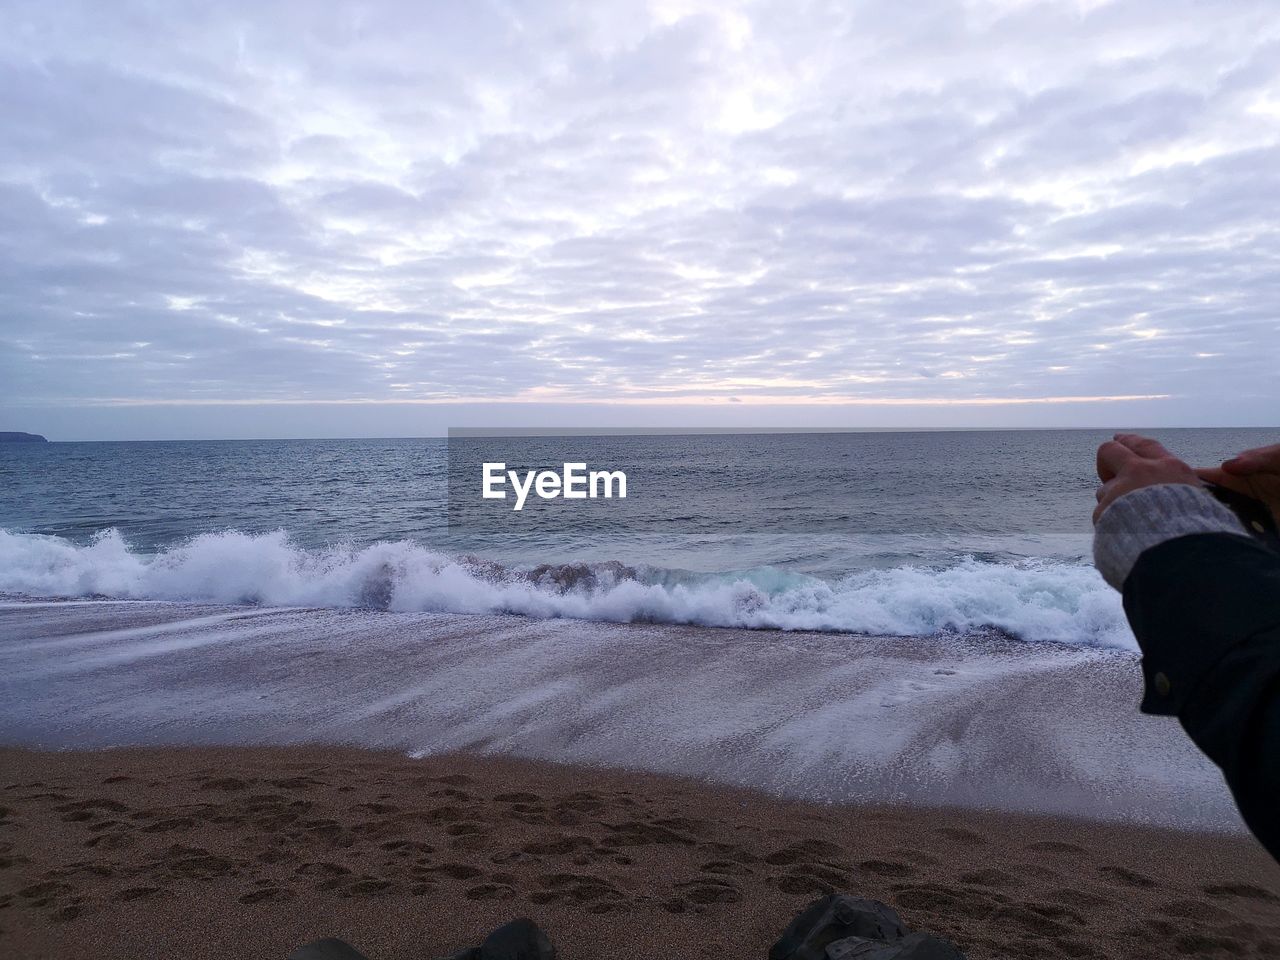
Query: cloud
point(936, 202)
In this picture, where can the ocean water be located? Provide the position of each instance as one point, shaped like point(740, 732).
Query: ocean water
point(875, 617)
point(904, 534)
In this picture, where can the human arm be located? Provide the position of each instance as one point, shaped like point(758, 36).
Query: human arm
point(1203, 599)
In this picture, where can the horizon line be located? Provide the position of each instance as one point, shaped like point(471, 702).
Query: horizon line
point(567, 432)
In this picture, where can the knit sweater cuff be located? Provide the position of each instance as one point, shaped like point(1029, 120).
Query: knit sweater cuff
point(1148, 516)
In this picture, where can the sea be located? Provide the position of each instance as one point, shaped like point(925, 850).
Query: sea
point(843, 617)
point(915, 533)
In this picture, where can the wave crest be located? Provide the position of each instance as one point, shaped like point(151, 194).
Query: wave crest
point(1036, 600)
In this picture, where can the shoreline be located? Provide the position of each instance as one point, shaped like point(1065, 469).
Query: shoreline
point(249, 851)
point(813, 716)
point(744, 794)
point(592, 770)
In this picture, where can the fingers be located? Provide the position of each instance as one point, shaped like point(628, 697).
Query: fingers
point(1124, 449)
point(1257, 460)
point(1223, 479)
point(1131, 462)
point(1144, 447)
point(1112, 456)
point(1104, 495)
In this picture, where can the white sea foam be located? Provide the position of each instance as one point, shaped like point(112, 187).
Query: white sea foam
point(1036, 600)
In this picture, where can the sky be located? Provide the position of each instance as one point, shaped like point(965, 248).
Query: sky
point(385, 219)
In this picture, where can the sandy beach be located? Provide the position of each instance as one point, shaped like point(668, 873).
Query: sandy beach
point(248, 852)
point(170, 788)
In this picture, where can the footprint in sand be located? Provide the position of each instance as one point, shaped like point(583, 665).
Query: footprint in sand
point(328, 876)
point(329, 830)
point(1055, 846)
point(451, 793)
point(941, 899)
point(529, 813)
point(378, 809)
point(455, 871)
point(269, 895)
point(579, 846)
point(886, 868)
point(77, 868)
point(90, 806)
point(640, 833)
point(444, 814)
point(223, 783)
point(1077, 898)
point(961, 835)
point(298, 783)
point(167, 826)
point(727, 868)
point(705, 890)
point(116, 840)
point(1243, 891)
point(811, 878)
point(490, 891)
point(43, 894)
point(277, 855)
point(453, 780)
point(195, 863)
point(990, 877)
point(1038, 919)
point(728, 851)
point(517, 798)
point(1127, 877)
point(407, 848)
point(369, 887)
point(322, 869)
point(804, 850)
point(582, 802)
point(579, 888)
point(1197, 910)
point(138, 893)
point(916, 856)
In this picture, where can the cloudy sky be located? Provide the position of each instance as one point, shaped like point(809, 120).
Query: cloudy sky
point(240, 219)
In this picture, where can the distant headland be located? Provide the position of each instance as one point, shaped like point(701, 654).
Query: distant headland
point(16, 436)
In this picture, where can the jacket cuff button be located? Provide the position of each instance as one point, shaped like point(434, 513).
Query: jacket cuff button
point(1162, 684)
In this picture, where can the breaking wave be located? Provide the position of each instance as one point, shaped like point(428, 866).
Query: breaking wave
point(1035, 600)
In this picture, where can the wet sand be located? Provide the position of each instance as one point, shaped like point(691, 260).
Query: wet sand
point(247, 852)
point(939, 721)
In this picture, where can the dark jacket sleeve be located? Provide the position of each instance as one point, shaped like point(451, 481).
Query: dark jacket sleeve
point(1206, 611)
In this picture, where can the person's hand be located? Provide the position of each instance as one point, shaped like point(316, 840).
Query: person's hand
point(1255, 473)
point(1130, 462)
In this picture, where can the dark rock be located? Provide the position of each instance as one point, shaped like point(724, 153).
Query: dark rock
point(327, 949)
point(924, 946)
point(565, 577)
point(518, 940)
point(914, 946)
point(836, 917)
